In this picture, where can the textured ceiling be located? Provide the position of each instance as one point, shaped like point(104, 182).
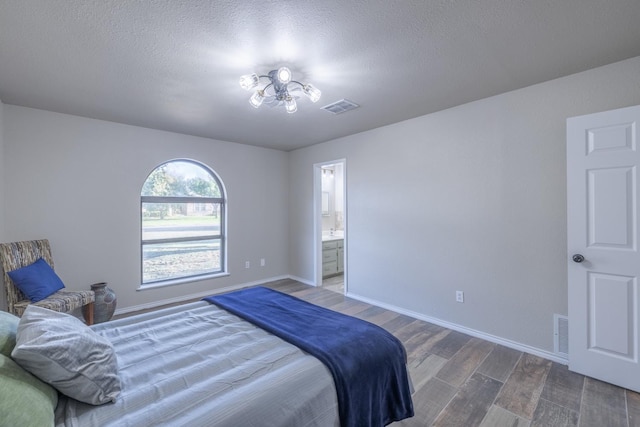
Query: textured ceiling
point(174, 64)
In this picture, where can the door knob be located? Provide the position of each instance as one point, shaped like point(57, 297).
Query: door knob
point(578, 258)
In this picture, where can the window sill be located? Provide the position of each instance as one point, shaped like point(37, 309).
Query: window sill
point(173, 282)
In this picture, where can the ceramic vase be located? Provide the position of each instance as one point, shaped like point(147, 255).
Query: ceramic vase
point(105, 303)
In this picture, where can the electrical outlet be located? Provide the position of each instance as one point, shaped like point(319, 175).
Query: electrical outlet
point(247, 264)
point(459, 296)
point(262, 262)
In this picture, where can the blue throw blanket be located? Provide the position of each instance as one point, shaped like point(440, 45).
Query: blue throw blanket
point(368, 364)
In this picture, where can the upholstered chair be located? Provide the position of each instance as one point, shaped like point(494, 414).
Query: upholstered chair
point(16, 255)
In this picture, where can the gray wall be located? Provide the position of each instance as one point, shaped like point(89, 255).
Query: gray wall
point(3, 303)
point(77, 182)
point(472, 198)
point(2, 175)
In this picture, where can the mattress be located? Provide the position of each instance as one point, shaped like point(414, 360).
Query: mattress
point(199, 365)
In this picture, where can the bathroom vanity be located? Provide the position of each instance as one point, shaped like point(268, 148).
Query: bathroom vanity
point(332, 256)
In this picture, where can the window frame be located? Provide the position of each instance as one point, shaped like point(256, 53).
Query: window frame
point(221, 236)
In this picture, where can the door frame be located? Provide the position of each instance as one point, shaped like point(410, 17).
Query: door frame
point(317, 219)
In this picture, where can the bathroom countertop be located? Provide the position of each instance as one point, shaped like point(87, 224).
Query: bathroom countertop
point(328, 237)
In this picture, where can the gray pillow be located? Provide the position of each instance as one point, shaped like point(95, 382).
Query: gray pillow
point(64, 352)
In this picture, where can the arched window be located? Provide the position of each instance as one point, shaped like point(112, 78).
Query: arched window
point(183, 223)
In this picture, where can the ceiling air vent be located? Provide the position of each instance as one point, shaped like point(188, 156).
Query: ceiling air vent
point(341, 106)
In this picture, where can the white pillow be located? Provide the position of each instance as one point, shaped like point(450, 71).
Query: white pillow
point(64, 352)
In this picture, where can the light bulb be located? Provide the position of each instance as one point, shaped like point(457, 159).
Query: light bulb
point(284, 75)
point(257, 98)
point(249, 81)
point(290, 105)
point(312, 92)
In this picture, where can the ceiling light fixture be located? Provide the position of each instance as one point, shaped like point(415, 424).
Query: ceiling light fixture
point(278, 91)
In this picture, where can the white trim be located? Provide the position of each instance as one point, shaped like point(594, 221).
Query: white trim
point(301, 280)
point(203, 294)
point(181, 280)
point(317, 225)
point(478, 334)
point(317, 220)
point(223, 237)
point(474, 333)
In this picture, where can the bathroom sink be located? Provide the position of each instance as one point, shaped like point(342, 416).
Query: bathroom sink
point(326, 235)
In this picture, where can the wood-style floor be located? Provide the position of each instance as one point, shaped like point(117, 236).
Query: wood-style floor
point(464, 381)
point(461, 380)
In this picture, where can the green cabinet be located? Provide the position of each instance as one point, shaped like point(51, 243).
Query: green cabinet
point(332, 257)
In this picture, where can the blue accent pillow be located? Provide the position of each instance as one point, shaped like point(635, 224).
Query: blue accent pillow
point(37, 281)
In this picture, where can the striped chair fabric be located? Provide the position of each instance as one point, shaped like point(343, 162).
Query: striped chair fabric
point(15, 255)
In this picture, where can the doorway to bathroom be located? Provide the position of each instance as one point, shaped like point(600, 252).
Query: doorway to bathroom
point(330, 189)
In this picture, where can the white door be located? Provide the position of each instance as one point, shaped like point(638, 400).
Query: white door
point(603, 197)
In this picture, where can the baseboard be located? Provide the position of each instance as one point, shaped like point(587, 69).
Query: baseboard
point(301, 280)
point(183, 298)
point(465, 330)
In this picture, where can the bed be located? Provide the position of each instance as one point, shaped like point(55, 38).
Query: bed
point(200, 365)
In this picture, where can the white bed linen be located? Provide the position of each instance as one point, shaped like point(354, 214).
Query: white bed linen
point(199, 365)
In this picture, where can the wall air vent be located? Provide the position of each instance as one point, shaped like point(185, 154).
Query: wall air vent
point(561, 335)
point(340, 107)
